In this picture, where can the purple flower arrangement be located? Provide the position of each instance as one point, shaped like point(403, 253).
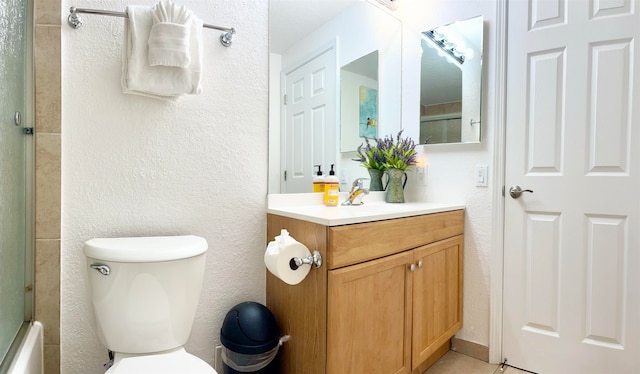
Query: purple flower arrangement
point(371, 157)
point(388, 153)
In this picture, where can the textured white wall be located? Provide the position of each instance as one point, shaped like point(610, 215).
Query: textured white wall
point(138, 166)
point(451, 167)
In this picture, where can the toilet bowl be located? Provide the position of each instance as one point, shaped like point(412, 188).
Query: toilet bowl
point(145, 292)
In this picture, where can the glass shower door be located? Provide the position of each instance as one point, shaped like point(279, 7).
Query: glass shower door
point(13, 20)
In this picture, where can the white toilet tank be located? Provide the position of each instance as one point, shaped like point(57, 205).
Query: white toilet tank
point(145, 290)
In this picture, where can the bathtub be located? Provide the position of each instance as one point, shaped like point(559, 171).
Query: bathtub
point(29, 358)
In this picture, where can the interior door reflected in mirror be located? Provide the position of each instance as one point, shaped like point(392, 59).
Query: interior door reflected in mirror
point(451, 83)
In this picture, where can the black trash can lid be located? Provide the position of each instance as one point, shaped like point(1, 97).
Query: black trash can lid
point(249, 328)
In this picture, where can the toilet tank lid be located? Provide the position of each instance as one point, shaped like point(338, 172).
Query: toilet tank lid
point(145, 249)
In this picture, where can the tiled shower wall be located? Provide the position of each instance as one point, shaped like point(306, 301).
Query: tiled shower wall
point(47, 176)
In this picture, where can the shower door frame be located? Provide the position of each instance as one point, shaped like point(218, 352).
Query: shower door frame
point(29, 165)
point(28, 119)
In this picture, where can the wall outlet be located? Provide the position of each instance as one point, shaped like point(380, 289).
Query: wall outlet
point(344, 176)
point(421, 172)
point(217, 359)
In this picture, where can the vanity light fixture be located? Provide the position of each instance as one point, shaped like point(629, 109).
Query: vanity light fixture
point(440, 41)
point(391, 4)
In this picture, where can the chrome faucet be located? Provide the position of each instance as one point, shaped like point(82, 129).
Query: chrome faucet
point(357, 192)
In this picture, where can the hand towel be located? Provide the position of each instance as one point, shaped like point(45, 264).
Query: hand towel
point(140, 78)
point(169, 37)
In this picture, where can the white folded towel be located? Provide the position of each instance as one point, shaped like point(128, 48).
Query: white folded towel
point(169, 37)
point(139, 77)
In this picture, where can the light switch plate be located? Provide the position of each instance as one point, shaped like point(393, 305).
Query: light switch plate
point(482, 174)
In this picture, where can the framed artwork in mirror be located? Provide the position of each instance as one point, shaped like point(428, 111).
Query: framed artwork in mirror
point(368, 112)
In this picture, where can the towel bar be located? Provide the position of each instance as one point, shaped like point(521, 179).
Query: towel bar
point(75, 21)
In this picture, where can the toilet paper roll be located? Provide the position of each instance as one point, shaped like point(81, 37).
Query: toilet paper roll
point(278, 257)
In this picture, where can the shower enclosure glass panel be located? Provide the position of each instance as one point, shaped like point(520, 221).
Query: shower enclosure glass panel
point(13, 21)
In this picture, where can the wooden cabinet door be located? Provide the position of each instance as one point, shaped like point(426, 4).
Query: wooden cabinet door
point(437, 296)
point(369, 317)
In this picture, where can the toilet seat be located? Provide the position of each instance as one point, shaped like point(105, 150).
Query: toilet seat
point(173, 362)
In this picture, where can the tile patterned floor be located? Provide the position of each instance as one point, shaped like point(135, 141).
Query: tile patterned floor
point(456, 363)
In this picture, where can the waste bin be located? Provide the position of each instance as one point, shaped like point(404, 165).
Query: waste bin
point(250, 340)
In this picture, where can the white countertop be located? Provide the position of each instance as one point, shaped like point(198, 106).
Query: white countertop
point(309, 207)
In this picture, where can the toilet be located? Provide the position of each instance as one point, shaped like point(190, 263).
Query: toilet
point(145, 292)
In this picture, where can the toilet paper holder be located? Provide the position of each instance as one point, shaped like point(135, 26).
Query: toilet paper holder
point(314, 259)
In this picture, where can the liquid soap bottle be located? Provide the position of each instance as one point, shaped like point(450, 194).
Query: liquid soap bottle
point(318, 180)
point(331, 189)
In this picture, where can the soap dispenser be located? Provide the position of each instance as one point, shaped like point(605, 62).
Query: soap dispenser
point(331, 189)
point(318, 180)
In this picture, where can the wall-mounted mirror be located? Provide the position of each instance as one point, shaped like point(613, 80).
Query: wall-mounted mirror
point(315, 46)
point(450, 84)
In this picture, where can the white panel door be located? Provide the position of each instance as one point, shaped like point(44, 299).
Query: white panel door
point(309, 113)
point(572, 246)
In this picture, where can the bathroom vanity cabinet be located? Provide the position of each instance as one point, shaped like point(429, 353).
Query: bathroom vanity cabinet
point(387, 298)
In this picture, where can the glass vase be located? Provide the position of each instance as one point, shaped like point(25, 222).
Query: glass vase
point(376, 180)
point(395, 186)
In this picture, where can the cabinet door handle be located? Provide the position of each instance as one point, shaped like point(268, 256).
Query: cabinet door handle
point(420, 264)
point(412, 268)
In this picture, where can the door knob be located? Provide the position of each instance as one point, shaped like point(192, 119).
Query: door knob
point(516, 191)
